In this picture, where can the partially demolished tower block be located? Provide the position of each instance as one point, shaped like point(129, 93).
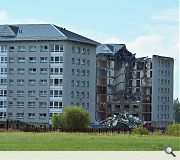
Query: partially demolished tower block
point(114, 63)
point(142, 86)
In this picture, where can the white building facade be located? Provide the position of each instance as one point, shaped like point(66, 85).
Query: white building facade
point(44, 68)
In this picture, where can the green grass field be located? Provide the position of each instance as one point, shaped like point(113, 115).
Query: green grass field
point(20, 141)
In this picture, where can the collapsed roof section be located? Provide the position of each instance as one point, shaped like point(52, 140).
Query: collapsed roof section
point(109, 49)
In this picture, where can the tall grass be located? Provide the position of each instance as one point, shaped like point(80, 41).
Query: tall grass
point(21, 141)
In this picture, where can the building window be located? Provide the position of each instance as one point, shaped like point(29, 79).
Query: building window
point(83, 62)
point(43, 82)
point(32, 59)
point(73, 49)
point(77, 72)
point(32, 48)
point(43, 48)
point(157, 116)
point(83, 72)
point(42, 104)
point(77, 83)
point(3, 104)
point(20, 93)
point(72, 94)
point(56, 48)
point(43, 70)
point(87, 94)
point(11, 93)
point(3, 60)
point(55, 93)
point(31, 115)
point(138, 91)
point(72, 71)
point(43, 59)
point(82, 83)
point(11, 82)
point(72, 83)
point(32, 82)
point(10, 104)
point(20, 104)
point(31, 104)
point(117, 106)
point(150, 74)
point(56, 71)
point(87, 83)
point(3, 71)
point(32, 70)
point(11, 48)
point(77, 94)
point(21, 49)
point(11, 59)
point(78, 50)
point(3, 49)
point(56, 82)
point(83, 51)
point(42, 93)
point(10, 115)
point(3, 93)
point(78, 61)
point(21, 59)
point(55, 104)
point(3, 81)
point(162, 73)
point(11, 70)
point(88, 73)
point(57, 59)
point(31, 93)
point(21, 70)
point(137, 83)
point(20, 115)
point(135, 106)
point(125, 106)
point(140, 65)
point(137, 75)
point(20, 82)
point(42, 115)
point(88, 51)
point(73, 60)
point(88, 62)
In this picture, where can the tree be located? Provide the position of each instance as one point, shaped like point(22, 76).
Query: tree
point(176, 106)
point(74, 118)
point(55, 121)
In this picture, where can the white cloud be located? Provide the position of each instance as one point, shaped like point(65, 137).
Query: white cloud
point(171, 14)
point(3, 15)
point(5, 19)
point(27, 21)
point(112, 40)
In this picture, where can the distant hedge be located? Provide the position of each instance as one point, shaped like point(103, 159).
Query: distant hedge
point(140, 130)
point(173, 130)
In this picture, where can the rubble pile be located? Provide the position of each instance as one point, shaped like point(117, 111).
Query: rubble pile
point(120, 121)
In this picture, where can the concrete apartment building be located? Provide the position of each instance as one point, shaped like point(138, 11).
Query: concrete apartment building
point(142, 86)
point(43, 69)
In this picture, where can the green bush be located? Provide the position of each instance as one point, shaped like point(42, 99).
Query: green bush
point(140, 130)
point(74, 118)
point(173, 130)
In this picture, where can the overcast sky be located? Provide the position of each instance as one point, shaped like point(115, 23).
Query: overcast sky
point(147, 27)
